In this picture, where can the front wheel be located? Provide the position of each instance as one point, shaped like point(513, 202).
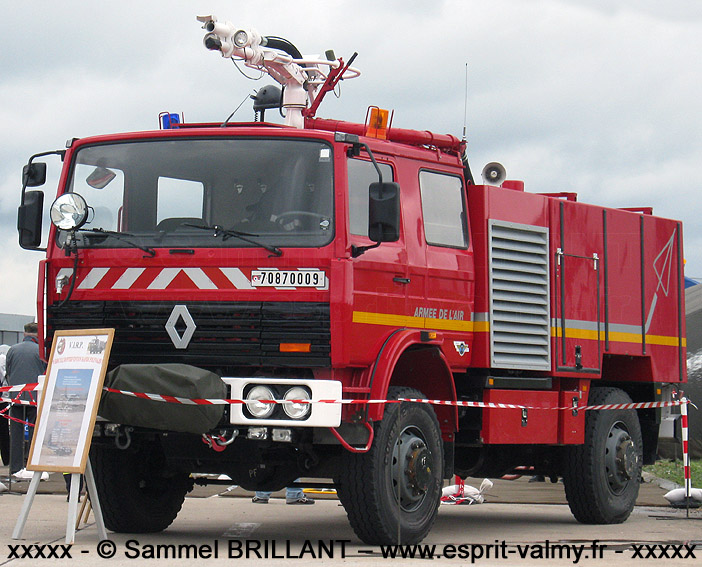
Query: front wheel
point(602, 476)
point(392, 493)
point(136, 494)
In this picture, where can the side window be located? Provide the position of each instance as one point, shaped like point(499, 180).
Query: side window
point(361, 175)
point(443, 209)
point(179, 198)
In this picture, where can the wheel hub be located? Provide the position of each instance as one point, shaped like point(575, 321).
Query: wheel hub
point(412, 469)
point(419, 468)
point(621, 459)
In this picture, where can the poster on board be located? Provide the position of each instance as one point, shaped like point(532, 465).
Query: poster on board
point(69, 400)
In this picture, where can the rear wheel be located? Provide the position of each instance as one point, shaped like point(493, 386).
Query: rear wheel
point(136, 495)
point(391, 494)
point(602, 476)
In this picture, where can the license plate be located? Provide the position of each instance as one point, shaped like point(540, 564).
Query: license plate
point(289, 278)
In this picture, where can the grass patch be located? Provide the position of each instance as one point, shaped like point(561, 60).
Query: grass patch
point(673, 471)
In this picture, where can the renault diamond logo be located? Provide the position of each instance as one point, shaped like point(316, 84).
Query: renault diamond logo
point(180, 341)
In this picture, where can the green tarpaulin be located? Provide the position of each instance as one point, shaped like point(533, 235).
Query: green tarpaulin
point(178, 380)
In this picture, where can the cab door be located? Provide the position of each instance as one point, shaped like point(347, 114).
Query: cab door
point(450, 275)
point(380, 275)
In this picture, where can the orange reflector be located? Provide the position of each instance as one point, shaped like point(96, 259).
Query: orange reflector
point(378, 123)
point(295, 347)
point(428, 335)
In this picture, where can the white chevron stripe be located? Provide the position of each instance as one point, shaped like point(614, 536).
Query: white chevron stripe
point(93, 278)
point(127, 279)
point(200, 278)
point(163, 280)
point(238, 279)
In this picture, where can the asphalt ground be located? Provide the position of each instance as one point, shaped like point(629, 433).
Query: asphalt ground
point(218, 525)
point(519, 491)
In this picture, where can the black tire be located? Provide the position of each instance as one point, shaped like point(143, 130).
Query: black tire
point(369, 484)
point(135, 495)
point(603, 475)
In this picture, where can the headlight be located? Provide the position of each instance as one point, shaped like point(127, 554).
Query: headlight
point(260, 410)
point(296, 410)
point(69, 211)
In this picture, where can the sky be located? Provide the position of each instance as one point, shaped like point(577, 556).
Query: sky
point(598, 97)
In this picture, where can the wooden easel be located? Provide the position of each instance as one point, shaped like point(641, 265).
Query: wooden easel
point(73, 518)
point(72, 389)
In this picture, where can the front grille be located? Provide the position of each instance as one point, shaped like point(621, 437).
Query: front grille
point(227, 334)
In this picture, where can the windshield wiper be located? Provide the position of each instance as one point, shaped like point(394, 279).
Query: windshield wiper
point(120, 236)
point(228, 233)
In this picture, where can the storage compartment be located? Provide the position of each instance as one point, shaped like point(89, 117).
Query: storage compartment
point(571, 426)
point(516, 426)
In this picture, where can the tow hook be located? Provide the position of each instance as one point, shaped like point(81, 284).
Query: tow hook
point(127, 431)
point(219, 442)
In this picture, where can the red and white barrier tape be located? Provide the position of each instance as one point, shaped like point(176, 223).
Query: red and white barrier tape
point(21, 388)
point(188, 401)
point(10, 402)
point(458, 403)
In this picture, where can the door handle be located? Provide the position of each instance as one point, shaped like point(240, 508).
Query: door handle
point(401, 280)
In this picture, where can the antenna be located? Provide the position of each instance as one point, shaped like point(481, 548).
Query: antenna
point(465, 106)
point(464, 158)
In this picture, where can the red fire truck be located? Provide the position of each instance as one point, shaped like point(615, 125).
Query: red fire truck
point(320, 272)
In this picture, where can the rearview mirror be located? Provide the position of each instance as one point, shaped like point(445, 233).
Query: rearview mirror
point(34, 174)
point(29, 217)
point(384, 211)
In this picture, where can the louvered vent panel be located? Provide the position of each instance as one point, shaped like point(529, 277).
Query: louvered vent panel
point(520, 334)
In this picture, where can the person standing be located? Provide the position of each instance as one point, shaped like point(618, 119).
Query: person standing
point(4, 409)
point(23, 365)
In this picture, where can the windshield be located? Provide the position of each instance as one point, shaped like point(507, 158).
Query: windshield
point(174, 193)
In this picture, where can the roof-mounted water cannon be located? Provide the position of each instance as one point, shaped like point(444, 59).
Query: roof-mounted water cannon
point(231, 41)
point(305, 79)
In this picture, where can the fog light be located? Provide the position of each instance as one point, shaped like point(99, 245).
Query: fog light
point(260, 410)
point(282, 435)
point(258, 433)
point(296, 410)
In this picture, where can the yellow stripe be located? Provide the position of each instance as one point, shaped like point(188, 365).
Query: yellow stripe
point(617, 337)
point(393, 320)
point(386, 319)
point(575, 333)
point(666, 341)
point(448, 324)
point(481, 326)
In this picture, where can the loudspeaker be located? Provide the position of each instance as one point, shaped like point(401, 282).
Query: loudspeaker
point(494, 174)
